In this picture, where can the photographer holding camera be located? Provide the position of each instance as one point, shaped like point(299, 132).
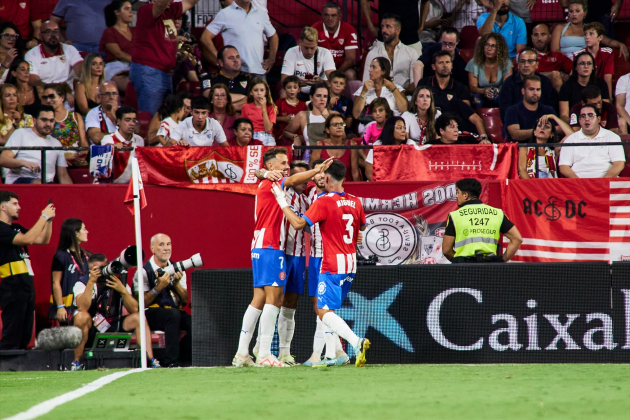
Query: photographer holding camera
point(164, 298)
point(102, 310)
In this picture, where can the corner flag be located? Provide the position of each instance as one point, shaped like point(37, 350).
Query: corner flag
point(129, 196)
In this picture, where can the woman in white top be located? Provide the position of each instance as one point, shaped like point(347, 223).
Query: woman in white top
point(394, 134)
point(380, 85)
point(420, 119)
point(622, 101)
point(173, 110)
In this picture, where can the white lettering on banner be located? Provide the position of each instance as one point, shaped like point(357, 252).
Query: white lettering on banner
point(563, 333)
point(433, 319)
point(252, 164)
point(439, 195)
point(402, 202)
point(455, 164)
point(511, 331)
point(389, 236)
point(606, 330)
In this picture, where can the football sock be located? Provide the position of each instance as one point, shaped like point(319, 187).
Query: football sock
point(267, 327)
point(338, 346)
point(286, 326)
point(338, 325)
point(318, 340)
point(257, 345)
point(329, 336)
point(249, 323)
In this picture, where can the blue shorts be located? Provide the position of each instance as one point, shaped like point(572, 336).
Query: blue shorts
point(332, 289)
point(269, 267)
point(314, 265)
point(296, 268)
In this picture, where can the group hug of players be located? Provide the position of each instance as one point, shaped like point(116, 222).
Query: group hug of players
point(285, 206)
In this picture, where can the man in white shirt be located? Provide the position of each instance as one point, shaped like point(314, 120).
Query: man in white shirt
point(401, 56)
point(198, 129)
point(100, 120)
point(300, 61)
point(52, 61)
point(592, 161)
point(124, 137)
point(24, 166)
point(243, 25)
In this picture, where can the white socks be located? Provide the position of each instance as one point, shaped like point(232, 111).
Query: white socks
point(286, 326)
point(318, 340)
point(330, 338)
point(267, 327)
point(339, 326)
point(338, 346)
point(249, 323)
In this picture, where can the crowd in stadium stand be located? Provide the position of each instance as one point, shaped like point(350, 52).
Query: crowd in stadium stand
point(86, 65)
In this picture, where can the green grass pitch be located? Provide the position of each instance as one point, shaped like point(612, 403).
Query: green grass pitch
point(570, 391)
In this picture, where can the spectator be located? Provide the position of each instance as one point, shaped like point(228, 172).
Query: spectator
point(155, 52)
point(552, 64)
point(434, 22)
point(604, 60)
point(187, 65)
point(24, 166)
point(124, 137)
point(183, 36)
point(443, 86)
point(69, 128)
point(379, 85)
point(394, 134)
point(490, 66)
point(501, 21)
point(29, 95)
point(336, 136)
point(117, 42)
point(14, 116)
point(512, 89)
point(420, 119)
point(607, 113)
point(339, 38)
point(447, 129)
point(288, 108)
point(606, 13)
point(449, 40)
point(199, 129)
point(300, 61)
point(243, 25)
point(465, 13)
point(381, 112)
point(221, 109)
point(186, 96)
point(230, 75)
point(100, 120)
point(9, 36)
point(471, 123)
point(92, 76)
point(591, 161)
point(622, 102)
point(243, 134)
point(544, 132)
point(52, 61)
point(85, 22)
point(520, 119)
point(583, 75)
point(69, 263)
point(410, 20)
point(339, 102)
point(261, 110)
point(401, 57)
point(173, 111)
point(19, 13)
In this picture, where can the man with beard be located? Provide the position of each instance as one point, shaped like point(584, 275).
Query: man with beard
point(520, 119)
point(501, 21)
point(52, 61)
point(552, 64)
point(442, 84)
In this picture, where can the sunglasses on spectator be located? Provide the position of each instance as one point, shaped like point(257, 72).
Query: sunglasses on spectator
point(337, 125)
point(50, 31)
point(449, 44)
point(585, 64)
point(10, 36)
point(108, 94)
point(589, 115)
point(47, 97)
point(530, 61)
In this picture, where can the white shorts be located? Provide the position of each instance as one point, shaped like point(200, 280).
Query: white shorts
point(267, 138)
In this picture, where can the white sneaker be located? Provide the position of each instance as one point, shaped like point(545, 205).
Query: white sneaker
point(270, 361)
point(242, 361)
point(287, 359)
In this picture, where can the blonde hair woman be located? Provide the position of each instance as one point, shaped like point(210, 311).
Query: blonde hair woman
point(92, 75)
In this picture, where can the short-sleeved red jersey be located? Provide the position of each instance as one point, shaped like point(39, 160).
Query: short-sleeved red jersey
point(604, 61)
point(270, 230)
point(344, 39)
point(340, 216)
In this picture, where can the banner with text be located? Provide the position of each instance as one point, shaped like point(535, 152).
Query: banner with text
point(211, 168)
point(430, 162)
point(569, 219)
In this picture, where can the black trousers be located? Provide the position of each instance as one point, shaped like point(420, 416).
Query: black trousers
point(171, 321)
point(18, 305)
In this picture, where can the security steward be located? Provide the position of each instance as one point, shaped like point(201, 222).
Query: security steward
point(473, 231)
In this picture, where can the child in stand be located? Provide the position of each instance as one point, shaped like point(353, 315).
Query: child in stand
point(261, 110)
point(173, 109)
point(380, 110)
point(342, 104)
point(288, 108)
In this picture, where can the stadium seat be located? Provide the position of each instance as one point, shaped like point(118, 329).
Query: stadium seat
point(144, 118)
point(467, 54)
point(351, 87)
point(468, 37)
point(492, 121)
point(131, 97)
point(194, 87)
point(80, 175)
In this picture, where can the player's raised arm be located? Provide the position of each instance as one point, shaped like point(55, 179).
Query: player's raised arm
point(301, 177)
point(296, 221)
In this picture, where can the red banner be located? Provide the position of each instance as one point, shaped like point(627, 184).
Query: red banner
point(431, 162)
point(210, 168)
point(570, 219)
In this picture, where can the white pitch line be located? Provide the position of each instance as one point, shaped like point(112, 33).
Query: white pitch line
point(47, 406)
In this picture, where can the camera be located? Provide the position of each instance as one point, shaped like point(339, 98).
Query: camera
point(114, 267)
point(127, 259)
point(194, 261)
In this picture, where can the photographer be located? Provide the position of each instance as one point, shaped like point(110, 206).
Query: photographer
point(102, 311)
point(164, 298)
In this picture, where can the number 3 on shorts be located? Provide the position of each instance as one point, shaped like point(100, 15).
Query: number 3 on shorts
point(349, 228)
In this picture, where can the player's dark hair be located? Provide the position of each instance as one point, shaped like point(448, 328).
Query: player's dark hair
point(6, 196)
point(445, 120)
point(272, 153)
point(68, 238)
point(440, 53)
point(290, 79)
point(470, 186)
point(336, 170)
point(299, 164)
point(97, 258)
point(126, 109)
point(592, 106)
point(316, 162)
point(591, 92)
point(200, 102)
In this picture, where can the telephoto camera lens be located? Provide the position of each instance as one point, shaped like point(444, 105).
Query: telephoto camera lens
point(114, 267)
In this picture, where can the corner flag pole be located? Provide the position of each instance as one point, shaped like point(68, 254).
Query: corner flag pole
point(136, 207)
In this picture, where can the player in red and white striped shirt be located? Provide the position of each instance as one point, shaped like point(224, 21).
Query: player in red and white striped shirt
point(340, 217)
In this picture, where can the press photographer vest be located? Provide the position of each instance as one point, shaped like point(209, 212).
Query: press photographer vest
point(477, 228)
point(165, 298)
